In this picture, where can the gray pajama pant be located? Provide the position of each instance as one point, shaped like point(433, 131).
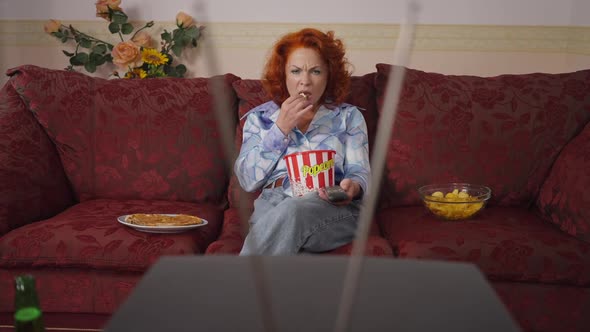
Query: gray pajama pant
point(284, 225)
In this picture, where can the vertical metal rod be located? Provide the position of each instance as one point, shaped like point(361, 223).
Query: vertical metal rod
point(386, 121)
point(226, 125)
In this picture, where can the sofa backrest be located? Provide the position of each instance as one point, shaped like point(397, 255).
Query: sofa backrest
point(504, 132)
point(152, 139)
point(33, 185)
point(564, 198)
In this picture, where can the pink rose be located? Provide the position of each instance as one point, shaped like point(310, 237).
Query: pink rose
point(142, 39)
point(184, 20)
point(52, 26)
point(127, 54)
point(102, 7)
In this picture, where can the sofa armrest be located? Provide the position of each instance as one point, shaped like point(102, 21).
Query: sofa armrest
point(565, 197)
point(33, 183)
point(230, 240)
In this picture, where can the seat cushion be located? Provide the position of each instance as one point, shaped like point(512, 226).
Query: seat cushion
point(565, 196)
point(230, 240)
point(153, 139)
point(510, 244)
point(504, 132)
point(88, 235)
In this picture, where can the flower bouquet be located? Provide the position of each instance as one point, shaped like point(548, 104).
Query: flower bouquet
point(136, 57)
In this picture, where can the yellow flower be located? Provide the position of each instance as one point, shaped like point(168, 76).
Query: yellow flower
point(136, 73)
point(153, 57)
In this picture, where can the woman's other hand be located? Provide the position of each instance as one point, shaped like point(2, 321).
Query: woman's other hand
point(292, 110)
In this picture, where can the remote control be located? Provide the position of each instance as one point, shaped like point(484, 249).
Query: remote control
point(336, 194)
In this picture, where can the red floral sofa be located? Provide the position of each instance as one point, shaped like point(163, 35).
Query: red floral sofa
point(78, 151)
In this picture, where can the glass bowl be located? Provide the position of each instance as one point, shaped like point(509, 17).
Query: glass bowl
point(454, 201)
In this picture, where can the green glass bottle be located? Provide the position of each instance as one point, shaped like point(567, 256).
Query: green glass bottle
point(27, 312)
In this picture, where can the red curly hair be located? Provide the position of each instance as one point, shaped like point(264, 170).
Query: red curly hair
point(330, 49)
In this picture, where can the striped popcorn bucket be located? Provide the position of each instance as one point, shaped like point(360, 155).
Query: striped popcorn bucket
point(310, 170)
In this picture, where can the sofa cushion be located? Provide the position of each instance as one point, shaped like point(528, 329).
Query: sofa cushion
point(565, 196)
point(503, 131)
point(33, 183)
point(507, 244)
point(152, 139)
point(251, 94)
point(88, 235)
point(71, 290)
point(230, 240)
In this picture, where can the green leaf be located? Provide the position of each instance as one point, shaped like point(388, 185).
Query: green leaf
point(100, 49)
point(100, 61)
point(64, 39)
point(119, 17)
point(90, 67)
point(68, 53)
point(79, 59)
point(170, 71)
point(114, 27)
point(86, 43)
point(94, 57)
point(108, 58)
point(180, 70)
point(194, 43)
point(177, 49)
point(127, 28)
point(186, 40)
point(193, 32)
point(57, 34)
point(166, 36)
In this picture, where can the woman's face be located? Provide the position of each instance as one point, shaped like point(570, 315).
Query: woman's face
point(306, 72)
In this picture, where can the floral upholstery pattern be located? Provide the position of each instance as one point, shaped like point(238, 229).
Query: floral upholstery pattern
point(565, 195)
point(130, 139)
point(505, 243)
point(504, 132)
point(34, 185)
point(509, 132)
point(88, 235)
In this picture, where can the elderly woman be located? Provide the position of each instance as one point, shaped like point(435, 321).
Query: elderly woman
point(307, 78)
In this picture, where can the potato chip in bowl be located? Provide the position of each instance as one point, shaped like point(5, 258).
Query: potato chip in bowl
point(455, 201)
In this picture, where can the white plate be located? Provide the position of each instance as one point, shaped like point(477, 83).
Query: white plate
point(161, 229)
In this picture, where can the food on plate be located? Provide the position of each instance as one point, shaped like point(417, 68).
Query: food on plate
point(145, 219)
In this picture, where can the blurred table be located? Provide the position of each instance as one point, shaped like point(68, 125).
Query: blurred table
point(216, 293)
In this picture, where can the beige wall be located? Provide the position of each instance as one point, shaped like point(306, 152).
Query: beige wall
point(241, 48)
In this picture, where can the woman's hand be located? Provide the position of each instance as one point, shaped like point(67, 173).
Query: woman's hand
point(352, 189)
point(292, 110)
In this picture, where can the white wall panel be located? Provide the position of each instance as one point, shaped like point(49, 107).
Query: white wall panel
point(495, 12)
